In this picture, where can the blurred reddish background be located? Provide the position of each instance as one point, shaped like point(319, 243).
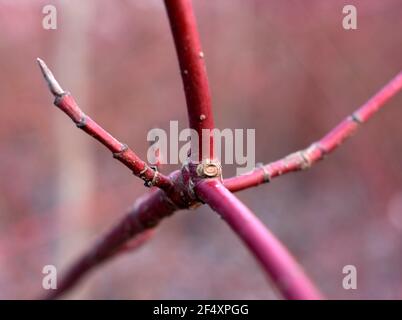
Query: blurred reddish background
point(286, 68)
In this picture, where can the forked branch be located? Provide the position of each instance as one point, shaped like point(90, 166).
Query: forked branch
point(121, 151)
point(178, 191)
point(304, 159)
point(278, 263)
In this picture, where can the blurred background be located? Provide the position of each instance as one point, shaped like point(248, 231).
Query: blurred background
point(285, 68)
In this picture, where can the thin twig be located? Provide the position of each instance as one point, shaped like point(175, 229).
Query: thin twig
point(304, 159)
point(278, 263)
point(121, 151)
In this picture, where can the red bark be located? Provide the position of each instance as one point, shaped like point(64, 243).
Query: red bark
point(145, 214)
point(185, 188)
point(65, 102)
point(277, 262)
point(193, 70)
point(304, 159)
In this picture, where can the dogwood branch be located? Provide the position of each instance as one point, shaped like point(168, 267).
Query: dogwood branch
point(304, 159)
point(278, 263)
point(184, 189)
point(65, 102)
point(193, 71)
point(137, 225)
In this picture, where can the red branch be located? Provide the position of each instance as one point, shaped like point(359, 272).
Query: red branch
point(144, 215)
point(178, 191)
point(304, 159)
point(121, 151)
point(193, 70)
point(285, 272)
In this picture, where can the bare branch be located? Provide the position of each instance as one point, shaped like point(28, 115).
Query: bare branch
point(138, 222)
point(65, 102)
point(185, 188)
point(193, 70)
point(278, 263)
point(304, 159)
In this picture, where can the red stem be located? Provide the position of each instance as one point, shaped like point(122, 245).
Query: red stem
point(304, 159)
point(285, 272)
point(193, 70)
point(177, 189)
point(65, 102)
point(145, 215)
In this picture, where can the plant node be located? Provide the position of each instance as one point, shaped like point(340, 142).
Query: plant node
point(209, 169)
